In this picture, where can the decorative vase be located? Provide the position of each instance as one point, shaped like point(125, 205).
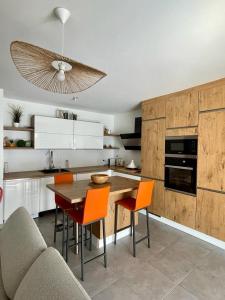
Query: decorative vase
point(16, 124)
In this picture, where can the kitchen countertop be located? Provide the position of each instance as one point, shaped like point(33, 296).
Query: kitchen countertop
point(75, 170)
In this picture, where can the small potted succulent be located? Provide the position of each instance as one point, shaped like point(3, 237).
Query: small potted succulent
point(16, 113)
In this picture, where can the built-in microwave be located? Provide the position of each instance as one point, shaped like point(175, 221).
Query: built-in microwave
point(186, 145)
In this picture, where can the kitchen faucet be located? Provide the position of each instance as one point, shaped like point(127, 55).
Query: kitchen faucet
point(51, 160)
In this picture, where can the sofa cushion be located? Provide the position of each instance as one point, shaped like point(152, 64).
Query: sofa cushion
point(50, 278)
point(21, 244)
point(3, 295)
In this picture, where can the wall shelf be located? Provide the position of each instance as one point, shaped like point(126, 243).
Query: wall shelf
point(111, 134)
point(111, 148)
point(31, 129)
point(15, 148)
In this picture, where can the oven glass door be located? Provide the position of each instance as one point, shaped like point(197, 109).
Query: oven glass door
point(181, 179)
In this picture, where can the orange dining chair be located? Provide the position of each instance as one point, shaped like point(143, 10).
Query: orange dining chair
point(64, 205)
point(142, 201)
point(94, 209)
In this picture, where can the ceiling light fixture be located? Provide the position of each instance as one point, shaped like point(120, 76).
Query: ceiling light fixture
point(51, 71)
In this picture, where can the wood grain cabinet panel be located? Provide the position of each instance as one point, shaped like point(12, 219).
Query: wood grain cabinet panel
point(210, 215)
point(211, 150)
point(157, 206)
point(182, 131)
point(153, 148)
point(212, 98)
point(153, 109)
point(180, 208)
point(182, 110)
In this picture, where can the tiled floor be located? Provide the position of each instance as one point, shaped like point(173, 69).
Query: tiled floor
point(177, 266)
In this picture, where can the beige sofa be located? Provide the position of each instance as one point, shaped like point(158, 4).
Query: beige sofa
point(30, 270)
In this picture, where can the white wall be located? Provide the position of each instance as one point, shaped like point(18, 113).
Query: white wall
point(22, 160)
point(19, 159)
point(124, 123)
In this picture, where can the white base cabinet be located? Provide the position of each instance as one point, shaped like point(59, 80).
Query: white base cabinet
point(21, 192)
point(47, 197)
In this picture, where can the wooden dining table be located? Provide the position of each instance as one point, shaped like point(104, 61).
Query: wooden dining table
point(120, 187)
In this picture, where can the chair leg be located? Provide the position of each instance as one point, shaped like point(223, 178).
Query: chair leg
point(130, 224)
point(85, 236)
point(75, 235)
point(148, 234)
point(134, 241)
point(67, 237)
point(63, 234)
point(104, 242)
point(56, 220)
point(90, 242)
point(115, 223)
point(82, 254)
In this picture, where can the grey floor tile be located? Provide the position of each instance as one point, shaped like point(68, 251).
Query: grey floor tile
point(96, 277)
point(189, 250)
point(204, 285)
point(146, 280)
point(120, 290)
point(214, 263)
point(180, 293)
point(170, 263)
point(177, 266)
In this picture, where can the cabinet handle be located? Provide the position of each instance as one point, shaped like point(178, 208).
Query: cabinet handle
point(178, 167)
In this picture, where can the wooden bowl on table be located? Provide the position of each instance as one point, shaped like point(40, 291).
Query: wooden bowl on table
point(99, 178)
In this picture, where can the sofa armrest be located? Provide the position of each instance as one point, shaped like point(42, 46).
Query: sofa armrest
point(49, 277)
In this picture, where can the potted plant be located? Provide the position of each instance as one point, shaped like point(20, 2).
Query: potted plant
point(16, 113)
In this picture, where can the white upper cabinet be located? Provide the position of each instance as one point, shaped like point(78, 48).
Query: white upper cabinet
point(88, 135)
point(53, 125)
point(88, 128)
point(44, 140)
point(88, 142)
point(53, 133)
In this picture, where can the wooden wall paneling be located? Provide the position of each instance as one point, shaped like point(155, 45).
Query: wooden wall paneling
point(212, 98)
point(182, 131)
point(157, 206)
point(210, 214)
point(211, 151)
point(182, 110)
point(153, 108)
point(180, 208)
point(153, 148)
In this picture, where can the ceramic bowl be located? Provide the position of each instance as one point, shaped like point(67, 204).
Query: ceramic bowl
point(99, 178)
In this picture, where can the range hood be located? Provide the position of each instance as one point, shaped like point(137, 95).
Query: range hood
point(132, 141)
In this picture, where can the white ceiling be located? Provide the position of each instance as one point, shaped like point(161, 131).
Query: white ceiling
point(147, 48)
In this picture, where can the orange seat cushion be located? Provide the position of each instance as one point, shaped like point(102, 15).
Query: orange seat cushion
point(128, 203)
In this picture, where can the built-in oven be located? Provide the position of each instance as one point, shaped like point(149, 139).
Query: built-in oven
point(181, 164)
point(180, 174)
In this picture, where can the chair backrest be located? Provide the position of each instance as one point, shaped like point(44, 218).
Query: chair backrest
point(63, 178)
point(144, 194)
point(96, 204)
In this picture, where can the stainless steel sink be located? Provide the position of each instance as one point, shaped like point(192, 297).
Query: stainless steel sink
point(48, 171)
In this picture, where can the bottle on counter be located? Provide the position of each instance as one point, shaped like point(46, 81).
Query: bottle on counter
point(67, 164)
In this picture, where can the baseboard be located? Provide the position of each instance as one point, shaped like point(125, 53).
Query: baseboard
point(195, 233)
point(98, 243)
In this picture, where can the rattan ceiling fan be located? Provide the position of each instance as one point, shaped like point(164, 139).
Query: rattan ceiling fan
point(51, 71)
